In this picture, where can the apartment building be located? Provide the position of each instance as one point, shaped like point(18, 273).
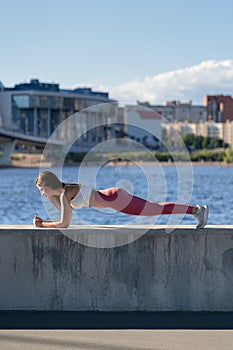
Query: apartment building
point(219, 108)
point(209, 128)
point(178, 111)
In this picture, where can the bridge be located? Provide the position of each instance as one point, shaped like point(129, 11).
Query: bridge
point(9, 139)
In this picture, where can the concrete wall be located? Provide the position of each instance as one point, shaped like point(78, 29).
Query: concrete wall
point(185, 270)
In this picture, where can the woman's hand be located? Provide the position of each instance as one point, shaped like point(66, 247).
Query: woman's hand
point(37, 221)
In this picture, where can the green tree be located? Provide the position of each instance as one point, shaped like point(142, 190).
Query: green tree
point(198, 142)
point(228, 157)
point(189, 140)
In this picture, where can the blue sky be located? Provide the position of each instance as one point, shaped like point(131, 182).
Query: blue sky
point(117, 45)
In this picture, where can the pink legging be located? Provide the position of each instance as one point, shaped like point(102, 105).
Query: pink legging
point(120, 200)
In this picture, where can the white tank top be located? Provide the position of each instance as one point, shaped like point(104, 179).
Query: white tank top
point(82, 199)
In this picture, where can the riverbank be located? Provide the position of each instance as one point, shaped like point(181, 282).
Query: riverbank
point(29, 160)
point(35, 160)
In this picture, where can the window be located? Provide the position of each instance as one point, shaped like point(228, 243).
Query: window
point(21, 101)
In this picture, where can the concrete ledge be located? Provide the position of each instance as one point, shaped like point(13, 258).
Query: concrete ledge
point(166, 269)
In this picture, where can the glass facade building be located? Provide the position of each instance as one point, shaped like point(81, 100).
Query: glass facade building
point(37, 109)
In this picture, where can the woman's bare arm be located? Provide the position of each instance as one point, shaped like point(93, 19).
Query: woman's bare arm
point(56, 201)
point(66, 214)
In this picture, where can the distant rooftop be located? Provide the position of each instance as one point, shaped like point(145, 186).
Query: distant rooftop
point(36, 85)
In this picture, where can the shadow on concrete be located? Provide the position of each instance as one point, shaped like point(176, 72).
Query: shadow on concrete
point(115, 320)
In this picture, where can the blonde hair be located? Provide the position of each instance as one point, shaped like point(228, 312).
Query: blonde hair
point(47, 178)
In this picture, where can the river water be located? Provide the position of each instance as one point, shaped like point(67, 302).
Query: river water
point(211, 185)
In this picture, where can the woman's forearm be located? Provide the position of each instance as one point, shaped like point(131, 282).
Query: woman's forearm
point(66, 215)
point(54, 224)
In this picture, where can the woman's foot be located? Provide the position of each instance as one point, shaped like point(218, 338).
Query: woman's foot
point(202, 216)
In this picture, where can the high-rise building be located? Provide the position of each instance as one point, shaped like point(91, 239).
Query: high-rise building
point(219, 107)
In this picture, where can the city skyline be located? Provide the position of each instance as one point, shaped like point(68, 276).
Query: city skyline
point(135, 50)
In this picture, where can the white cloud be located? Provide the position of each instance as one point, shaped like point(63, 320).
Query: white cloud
point(95, 86)
point(191, 83)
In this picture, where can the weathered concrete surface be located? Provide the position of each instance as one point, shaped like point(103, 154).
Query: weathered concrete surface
point(184, 270)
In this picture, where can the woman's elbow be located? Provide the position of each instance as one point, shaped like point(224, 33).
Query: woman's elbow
point(63, 225)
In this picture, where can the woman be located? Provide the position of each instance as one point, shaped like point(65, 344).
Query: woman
point(66, 196)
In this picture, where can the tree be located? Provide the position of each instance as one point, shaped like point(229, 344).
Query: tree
point(200, 142)
point(189, 140)
point(228, 158)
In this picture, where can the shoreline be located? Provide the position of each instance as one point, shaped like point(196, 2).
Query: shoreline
point(30, 160)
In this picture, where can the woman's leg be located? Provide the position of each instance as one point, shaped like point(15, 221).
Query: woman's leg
point(120, 200)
